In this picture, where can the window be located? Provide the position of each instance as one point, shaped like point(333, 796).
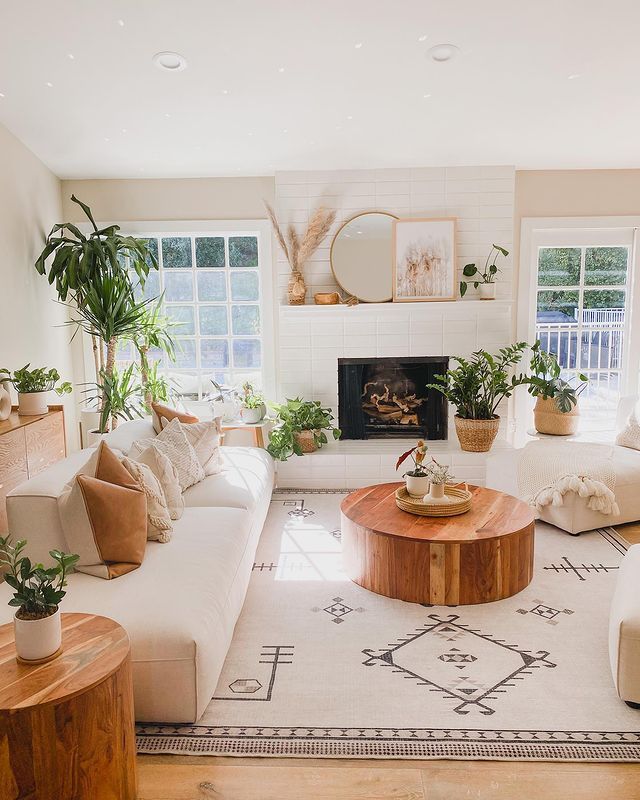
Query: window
point(212, 287)
point(578, 302)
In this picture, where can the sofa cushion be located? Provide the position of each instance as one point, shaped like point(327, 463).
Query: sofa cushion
point(174, 444)
point(246, 475)
point(128, 432)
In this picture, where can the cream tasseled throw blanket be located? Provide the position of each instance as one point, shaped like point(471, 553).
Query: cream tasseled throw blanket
point(548, 470)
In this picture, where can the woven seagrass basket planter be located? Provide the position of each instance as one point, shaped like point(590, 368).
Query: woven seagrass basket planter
point(476, 435)
point(306, 441)
point(548, 418)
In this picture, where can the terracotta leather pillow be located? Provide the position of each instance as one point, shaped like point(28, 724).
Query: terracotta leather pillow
point(104, 516)
point(160, 413)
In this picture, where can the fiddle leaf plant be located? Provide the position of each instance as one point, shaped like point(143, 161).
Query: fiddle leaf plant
point(295, 416)
point(37, 591)
point(40, 379)
point(545, 380)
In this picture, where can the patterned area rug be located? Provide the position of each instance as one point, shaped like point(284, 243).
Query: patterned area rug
point(320, 667)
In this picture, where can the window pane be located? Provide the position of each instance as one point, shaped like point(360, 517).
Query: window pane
point(152, 247)
point(605, 266)
point(185, 316)
point(243, 251)
point(176, 252)
point(244, 286)
point(557, 306)
point(212, 286)
point(214, 353)
point(601, 349)
point(245, 320)
point(151, 285)
point(603, 298)
point(213, 320)
point(178, 286)
point(558, 266)
point(246, 353)
point(185, 353)
point(210, 252)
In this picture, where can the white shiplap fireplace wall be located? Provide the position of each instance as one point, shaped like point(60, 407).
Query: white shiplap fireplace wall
point(312, 338)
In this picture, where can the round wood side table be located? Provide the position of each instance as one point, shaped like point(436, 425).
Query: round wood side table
point(67, 726)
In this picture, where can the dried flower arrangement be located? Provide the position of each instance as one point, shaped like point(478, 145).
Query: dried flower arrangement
point(299, 249)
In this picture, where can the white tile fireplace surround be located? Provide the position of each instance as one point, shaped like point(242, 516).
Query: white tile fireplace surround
point(313, 338)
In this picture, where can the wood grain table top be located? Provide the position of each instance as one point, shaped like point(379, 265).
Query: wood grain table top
point(493, 514)
point(93, 648)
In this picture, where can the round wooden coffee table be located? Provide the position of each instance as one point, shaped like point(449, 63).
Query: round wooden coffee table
point(477, 557)
point(67, 726)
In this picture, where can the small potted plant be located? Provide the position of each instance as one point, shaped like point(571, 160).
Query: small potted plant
point(439, 476)
point(476, 387)
point(300, 428)
point(484, 280)
point(33, 386)
point(417, 479)
point(37, 595)
point(253, 408)
point(556, 411)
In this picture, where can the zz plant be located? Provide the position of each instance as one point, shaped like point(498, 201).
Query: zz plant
point(295, 416)
point(37, 591)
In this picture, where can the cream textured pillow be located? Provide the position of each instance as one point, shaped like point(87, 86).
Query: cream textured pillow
point(159, 525)
point(629, 436)
point(165, 472)
point(205, 439)
point(174, 444)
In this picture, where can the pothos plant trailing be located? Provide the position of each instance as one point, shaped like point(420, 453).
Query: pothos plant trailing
point(33, 385)
point(300, 428)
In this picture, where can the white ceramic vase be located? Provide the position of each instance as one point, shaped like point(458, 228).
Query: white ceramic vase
point(94, 438)
point(417, 487)
point(487, 291)
point(37, 638)
point(5, 401)
point(32, 404)
point(251, 416)
point(436, 492)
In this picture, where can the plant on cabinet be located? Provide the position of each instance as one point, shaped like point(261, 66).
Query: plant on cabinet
point(33, 386)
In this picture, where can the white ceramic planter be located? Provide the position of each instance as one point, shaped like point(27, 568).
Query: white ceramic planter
point(251, 416)
point(417, 487)
point(37, 638)
point(436, 492)
point(94, 438)
point(32, 404)
point(487, 291)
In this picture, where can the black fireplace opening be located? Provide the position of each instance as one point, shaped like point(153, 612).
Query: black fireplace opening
point(388, 397)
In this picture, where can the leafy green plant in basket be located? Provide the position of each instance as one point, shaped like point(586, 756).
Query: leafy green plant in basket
point(300, 428)
point(476, 387)
point(485, 277)
point(556, 410)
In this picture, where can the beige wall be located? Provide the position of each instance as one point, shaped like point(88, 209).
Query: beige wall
point(30, 320)
point(171, 199)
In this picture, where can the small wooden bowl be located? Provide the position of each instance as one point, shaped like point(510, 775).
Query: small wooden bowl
point(326, 298)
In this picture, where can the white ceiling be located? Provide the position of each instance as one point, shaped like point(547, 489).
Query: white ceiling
point(506, 99)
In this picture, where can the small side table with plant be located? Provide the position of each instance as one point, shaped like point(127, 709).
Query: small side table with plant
point(300, 428)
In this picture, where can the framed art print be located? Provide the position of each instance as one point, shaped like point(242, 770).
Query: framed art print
point(424, 259)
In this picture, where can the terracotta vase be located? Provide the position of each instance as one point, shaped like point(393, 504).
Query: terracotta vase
point(5, 401)
point(296, 290)
point(549, 419)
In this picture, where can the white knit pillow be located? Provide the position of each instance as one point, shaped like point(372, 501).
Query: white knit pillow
point(164, 471)
point(205, 439)
point(629, 436)
point(159, 525)
point(173, 442)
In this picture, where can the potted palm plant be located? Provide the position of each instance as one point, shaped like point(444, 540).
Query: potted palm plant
point(300, 428)
point(485, 279)
point(33, 387)
point(557, 410)
point(476, 387)
point(120, 394)
point(37, 595)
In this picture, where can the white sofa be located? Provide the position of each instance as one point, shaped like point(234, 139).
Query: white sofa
point(624, 629)
point(180, 607)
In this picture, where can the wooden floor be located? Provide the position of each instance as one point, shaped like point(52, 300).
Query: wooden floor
point(213, 778)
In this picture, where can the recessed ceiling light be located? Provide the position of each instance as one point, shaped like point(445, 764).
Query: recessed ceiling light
point(124, 130)
point(2, 95)
point(121, 23)
point(70, 56)
point(422, 38)
point(426, 96)
point(350, 116)
point(170, 61)
point(49, 84)
point(573, 76)
point(167, 115)
point(285, 130)
point(358, 45)
point(280, 69)
point(225, 91)
point(443, 52)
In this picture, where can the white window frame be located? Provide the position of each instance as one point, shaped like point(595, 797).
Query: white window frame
point(194, 228)
point(536, 232)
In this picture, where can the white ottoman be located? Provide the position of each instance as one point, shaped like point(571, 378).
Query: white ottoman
point(624, 629)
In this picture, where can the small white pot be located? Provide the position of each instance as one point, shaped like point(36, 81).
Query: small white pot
point(32, 404)
point(37, 638)
point(251, 416)
point(436, 492)
point(417, 487)
point(487, 291)
point(94, 438)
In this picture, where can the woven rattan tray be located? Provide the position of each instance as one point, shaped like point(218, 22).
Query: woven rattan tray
point(460, 503)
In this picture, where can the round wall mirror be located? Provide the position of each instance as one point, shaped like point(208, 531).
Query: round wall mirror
point(361, 257)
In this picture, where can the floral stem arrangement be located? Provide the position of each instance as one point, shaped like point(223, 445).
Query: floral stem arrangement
point(484, 278)
point(33, 385)
point(298, 249)
point(556, 411)
point(300, 428)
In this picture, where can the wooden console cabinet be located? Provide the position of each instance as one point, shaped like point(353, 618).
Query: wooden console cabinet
point(27, 446)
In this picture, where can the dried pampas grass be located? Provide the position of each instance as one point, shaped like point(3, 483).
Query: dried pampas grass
point(299, 249)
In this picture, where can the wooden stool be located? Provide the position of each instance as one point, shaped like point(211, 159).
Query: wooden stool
point(67, 726)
